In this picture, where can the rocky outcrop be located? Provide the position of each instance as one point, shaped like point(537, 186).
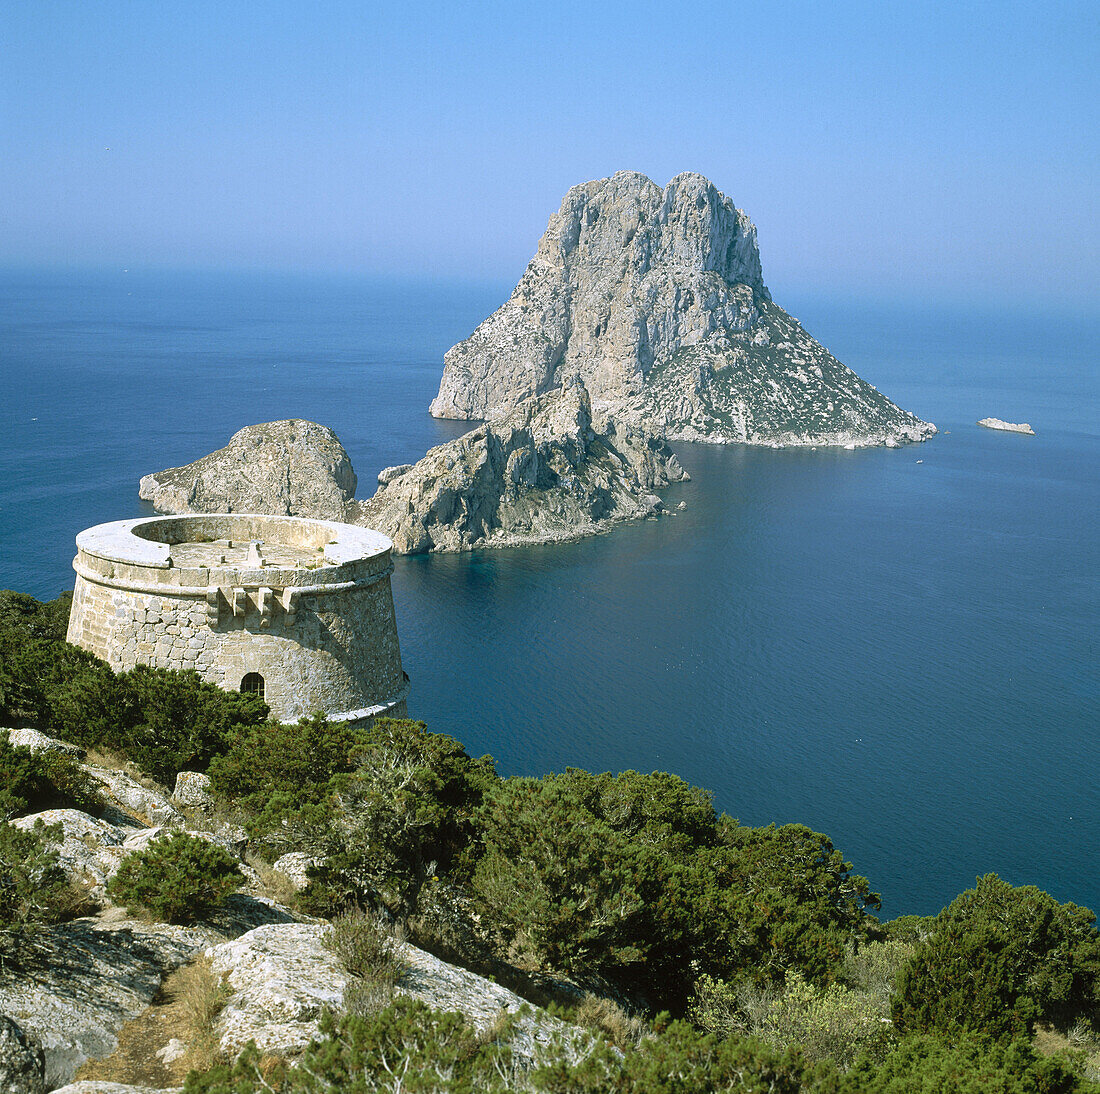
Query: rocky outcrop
point(99, 1087)
point(291, 468)
point(22, 1064)
point(656, 300)
point(74, 986)
point(1010, 427)
point(549, 470)
point(283, 977)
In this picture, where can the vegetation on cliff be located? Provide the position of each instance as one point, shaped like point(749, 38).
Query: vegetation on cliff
point(761, 943)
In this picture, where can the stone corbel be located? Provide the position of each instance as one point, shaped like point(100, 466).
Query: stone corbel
point(213, 608)
point(239, 600)
point(290, 605)
point(264, 601)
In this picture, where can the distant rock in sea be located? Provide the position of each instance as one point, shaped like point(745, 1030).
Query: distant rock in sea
point(291, 468)
point(549, 471)
point(655, 299)
point(1011, 427)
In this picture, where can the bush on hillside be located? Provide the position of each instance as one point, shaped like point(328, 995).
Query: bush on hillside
point(999, 959)
point(33, 888)
point(404, 814)
point(33, 781)
point(368, 952)
point(163, 720)
point(634, 877)
point(179, 879)
point(408, 1046)
point(967, 1065)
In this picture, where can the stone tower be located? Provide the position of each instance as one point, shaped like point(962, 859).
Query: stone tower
point(299, 611)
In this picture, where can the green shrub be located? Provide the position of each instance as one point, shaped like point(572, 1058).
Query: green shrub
point(998, 959)
point(33, 781)
point(165, 721)
point(179, 879)
point(404, 814)
point(634, 877)
point(833, 1023)
point(273, 770)
point(367, 949)
point(184, 721)
point(409, 1047)
point(874, 967)
point(929, 1065)
point(33, 888)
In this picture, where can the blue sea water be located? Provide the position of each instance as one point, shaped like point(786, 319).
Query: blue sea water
point(898, 648)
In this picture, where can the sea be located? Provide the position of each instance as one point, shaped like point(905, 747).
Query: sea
point(897, 648)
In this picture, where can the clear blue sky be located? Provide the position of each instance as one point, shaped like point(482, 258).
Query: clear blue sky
point(881, 148)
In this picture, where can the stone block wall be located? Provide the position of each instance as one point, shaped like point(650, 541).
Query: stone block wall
point(331, 645)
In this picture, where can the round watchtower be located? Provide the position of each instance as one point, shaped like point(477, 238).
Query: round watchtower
point(299, 611)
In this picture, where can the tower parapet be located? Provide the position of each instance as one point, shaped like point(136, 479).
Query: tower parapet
point(297, 610)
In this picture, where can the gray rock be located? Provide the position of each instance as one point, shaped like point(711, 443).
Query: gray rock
point(283, 977)
point(97, 1087)
point(193, 791)
point(22, 1064)
point(90, 849)
point(75, 985)
point(550, 470)
point(39, 742)
point(1008, 427)
point(291, 468)
point(295, 866)
point(388, 474)
point(656, 299)
point(142, 802)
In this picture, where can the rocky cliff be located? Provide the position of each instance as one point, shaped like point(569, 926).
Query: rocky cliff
point(549, 470)
point(655, 298)
point(292, 468)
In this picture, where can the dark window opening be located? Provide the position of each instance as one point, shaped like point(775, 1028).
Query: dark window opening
point(253, 684)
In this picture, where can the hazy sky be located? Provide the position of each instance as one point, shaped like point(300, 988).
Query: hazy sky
point(881, 148)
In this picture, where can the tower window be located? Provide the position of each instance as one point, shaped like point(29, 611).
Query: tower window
point(253, 684)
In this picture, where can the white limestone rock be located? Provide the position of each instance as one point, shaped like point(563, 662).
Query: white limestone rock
point(1010, 427)
point(192, 791)
point(290, 468)
point(295, 867)
point(75, 985)
point(283, 977)
point(550, 470)
point(656, 300)
point(22, 1063)
point(388, 474)
point(146, 804)
point(89, 850)
point(39, 742)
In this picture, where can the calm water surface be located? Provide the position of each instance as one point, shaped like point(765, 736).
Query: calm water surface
point(895, 647)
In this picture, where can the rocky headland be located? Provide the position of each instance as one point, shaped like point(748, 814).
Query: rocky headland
point(656, 300)
point(549, 470)
point(292, 468)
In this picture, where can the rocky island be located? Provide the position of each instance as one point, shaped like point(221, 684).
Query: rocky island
point(289, 468)
point(1008, 427)
point(548, 471)
point(551, 470)
point(655, 298)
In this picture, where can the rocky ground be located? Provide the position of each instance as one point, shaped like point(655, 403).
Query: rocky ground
point(94, 998)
